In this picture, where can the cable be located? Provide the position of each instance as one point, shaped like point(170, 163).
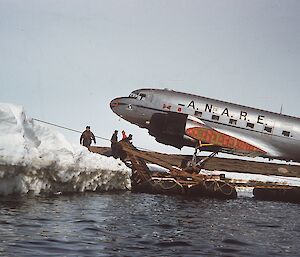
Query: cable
point(74, 130)
point(77, 131)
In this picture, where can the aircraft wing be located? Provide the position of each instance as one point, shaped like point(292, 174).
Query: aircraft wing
point(201, 131)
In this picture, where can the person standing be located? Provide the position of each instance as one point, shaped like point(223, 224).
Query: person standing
point(114, 144)
point(86, 137)
point(123, 134)
point(128, 139)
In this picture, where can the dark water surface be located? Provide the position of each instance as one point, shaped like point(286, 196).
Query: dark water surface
point(127, 224)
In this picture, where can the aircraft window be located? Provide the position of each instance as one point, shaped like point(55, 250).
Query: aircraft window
point(139, 96)
point(286, 133)
point(198, 114)
point(268, 129)
point(133, 95)
point(142, 96)
point(250, 125)
point(215, 117)
point(232, 121)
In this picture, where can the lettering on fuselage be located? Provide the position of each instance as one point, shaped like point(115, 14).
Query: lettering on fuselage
point(226, 112)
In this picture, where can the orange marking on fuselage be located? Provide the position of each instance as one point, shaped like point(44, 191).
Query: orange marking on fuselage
point(217, 138)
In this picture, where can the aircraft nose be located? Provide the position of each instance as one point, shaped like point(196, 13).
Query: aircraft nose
point(117, 105)
point(114, 103)
point(127, 109)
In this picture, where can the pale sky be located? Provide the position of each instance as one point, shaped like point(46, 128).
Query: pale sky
point(65, 60)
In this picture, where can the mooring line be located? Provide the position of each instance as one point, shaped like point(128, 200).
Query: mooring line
point(70, 129)
point(77, 131)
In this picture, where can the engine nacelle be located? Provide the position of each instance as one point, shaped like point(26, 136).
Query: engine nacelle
point(169, 129)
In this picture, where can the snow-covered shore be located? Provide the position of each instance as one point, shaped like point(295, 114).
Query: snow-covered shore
point(34, 158)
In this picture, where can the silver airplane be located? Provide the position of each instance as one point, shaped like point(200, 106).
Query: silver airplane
point(181, 119)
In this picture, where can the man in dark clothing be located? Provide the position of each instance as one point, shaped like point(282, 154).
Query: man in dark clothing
point(128, 139)
point(114, 144)
point(86, 137)
point(114, 138)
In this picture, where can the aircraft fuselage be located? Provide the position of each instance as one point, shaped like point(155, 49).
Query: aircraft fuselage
point(165, 113)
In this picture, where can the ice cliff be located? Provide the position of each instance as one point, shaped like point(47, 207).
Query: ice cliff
point(34, 158)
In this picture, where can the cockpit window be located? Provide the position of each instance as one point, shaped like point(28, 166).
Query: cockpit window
point(138, 95)
point(142, 96)
point(133, 95)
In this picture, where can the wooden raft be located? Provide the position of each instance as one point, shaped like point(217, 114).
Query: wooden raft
point(175, 181)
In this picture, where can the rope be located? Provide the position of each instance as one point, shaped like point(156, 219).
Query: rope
point(176, 183)
point(66, 128)
point(215, 186)
point(77, 131)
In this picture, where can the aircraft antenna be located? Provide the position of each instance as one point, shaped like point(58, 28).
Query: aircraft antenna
point(281, 108)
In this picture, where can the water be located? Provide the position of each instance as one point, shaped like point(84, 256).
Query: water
point(127, 224)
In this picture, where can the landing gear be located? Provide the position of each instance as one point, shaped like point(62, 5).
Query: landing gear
point(199, 165)
point(194, 159)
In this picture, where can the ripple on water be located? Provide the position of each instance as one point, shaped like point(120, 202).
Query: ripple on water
point(4, 222)
point(88, 221)
point(172, 243)
point(164, 226)
point(234, 242)
point(29, 225)
point(147, 225)
point(93, 229)
point(267, 225)
point(227, 250)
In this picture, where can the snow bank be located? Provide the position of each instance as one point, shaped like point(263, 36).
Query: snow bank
point(34, 158)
